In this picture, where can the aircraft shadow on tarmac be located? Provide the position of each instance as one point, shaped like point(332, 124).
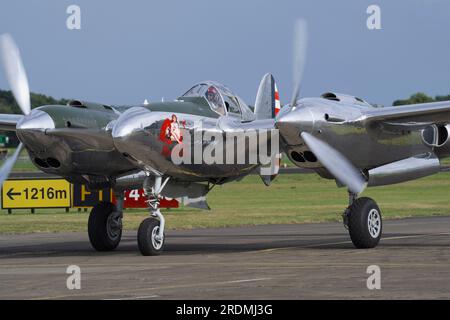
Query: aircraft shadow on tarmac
point(202, 244)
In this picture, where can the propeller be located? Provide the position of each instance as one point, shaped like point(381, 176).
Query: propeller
point(9, 164)
point(17, 79)
point(15, 72)
point(299, 53)
point(338, 165)
point(335, 162)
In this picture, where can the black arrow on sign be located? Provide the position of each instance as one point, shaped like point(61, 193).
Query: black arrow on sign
point(10, 193)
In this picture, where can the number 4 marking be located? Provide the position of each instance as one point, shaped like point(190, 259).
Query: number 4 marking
point(134, 194)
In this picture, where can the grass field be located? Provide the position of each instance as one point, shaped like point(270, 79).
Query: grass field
point(292, 198)
point(23, 163)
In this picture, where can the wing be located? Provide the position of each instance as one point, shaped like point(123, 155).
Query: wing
point(8, 121)
point(410, 117)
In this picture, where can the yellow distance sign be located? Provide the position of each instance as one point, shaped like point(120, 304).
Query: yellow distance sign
point(29, 194)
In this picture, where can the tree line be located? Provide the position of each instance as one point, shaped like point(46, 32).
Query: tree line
point(420, 97)
point(9, 105)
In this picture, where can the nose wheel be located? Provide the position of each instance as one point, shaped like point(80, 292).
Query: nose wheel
point(363, 221)
point(149, 241)
point(150, 235)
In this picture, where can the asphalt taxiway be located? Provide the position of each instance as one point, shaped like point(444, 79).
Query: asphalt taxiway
point(262, 262)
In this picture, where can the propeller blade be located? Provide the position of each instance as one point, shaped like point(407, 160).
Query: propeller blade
point(15, 72)
point(9, 164)
point(299, 52)
point(336, 163)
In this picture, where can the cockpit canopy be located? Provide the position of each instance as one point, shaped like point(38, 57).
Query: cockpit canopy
point(220, 99)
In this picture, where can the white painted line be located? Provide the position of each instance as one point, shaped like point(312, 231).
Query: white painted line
point(349, 241)
point(248, 280)
point(136, 298)
point(193, 285)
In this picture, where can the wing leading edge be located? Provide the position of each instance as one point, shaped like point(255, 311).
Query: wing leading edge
point(410, 117)
point(8, 121)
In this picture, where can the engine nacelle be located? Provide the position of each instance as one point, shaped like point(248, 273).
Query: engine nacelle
point(404, 170)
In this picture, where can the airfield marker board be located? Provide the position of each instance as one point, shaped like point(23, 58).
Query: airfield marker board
point(58, 193)
point(85, 198)
point(37, 193)
point(136, 198)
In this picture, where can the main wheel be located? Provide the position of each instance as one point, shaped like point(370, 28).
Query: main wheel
point(364, 223)
point(104, 228)
point(148, 241)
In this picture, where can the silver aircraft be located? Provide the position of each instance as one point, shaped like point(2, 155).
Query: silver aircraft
point(341, 137)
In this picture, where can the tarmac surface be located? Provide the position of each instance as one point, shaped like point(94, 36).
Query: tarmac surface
point(308, 261)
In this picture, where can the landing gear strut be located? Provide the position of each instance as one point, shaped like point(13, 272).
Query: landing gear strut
point(105, 224)
point(363, 220)
point(151, 231)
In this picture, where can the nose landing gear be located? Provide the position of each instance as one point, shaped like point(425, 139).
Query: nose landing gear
point(150, 234)
point(363, 220)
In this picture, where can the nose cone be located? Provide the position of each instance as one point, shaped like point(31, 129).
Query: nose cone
point(292, 122)
point(36, 120)
point(31, 130)
point(129, 122)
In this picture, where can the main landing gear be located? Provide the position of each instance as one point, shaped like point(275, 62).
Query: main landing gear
point(105, 224)
point(150, 234)
point(363, 220)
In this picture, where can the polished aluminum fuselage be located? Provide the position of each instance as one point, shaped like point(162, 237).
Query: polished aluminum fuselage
point(137, 134)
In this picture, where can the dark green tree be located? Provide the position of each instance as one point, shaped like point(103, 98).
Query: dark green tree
point(442, 98)
point(418, 97)
point(9, 105)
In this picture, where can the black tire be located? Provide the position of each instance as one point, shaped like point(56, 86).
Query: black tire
point(100, 237)
point(144, 236)
point(364, 237)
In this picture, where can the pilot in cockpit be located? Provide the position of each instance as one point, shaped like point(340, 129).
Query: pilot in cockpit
point(213, 96)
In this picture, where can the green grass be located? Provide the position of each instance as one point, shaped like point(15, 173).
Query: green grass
point(291, 198)
point(23, 164)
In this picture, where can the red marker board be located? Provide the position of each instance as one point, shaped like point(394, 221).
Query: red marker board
point(136, 199)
